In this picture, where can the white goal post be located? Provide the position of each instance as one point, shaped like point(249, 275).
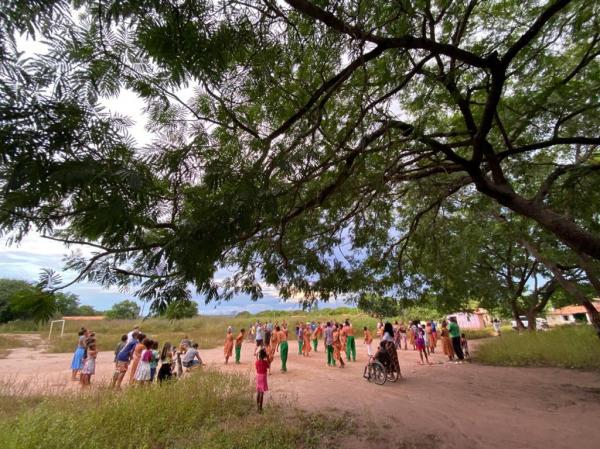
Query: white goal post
point(62, 330)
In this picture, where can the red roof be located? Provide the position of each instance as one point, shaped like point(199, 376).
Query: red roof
point(572, 310)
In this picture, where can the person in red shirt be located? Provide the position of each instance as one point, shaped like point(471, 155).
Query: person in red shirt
point(262, 365)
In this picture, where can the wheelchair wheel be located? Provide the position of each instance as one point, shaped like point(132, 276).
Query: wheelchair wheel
point(393, 376)
point(379, 373)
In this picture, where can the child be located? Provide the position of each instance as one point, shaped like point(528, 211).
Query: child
point(420, 345)
point(154, 361)
point(166, 357)
point(89, 366)
point(78, 356)
point(228, 346)
point(368, 341)
point(262, 365)
point(465, 347)
point(142, 373)
point(306, 336)
point(120, 346)
point(238, 346)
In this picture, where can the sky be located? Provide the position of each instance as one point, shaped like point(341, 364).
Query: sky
point(25, 260)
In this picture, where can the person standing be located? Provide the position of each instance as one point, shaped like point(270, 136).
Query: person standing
point(368, 341)
point(403, 337)
point(446, 342)
point(238, 346)
point(228, 346)
point(337, 345)
point(123, 359)
point(454, 331)
point(306, 334)
point(318, 330)
point(283, 348)
point(166, 367)
point(350, 342)
point(137, 354)
point(329, 344)
point(78, 355)
point(496, 325)
point(262, 365)
point(259, 338)
point(300, 337)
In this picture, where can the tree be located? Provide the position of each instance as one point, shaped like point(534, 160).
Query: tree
point(378, 306)
point(124, 310)
point(8, 288)
point(67, 304)
point(181, 309)
point(311, 125)
point(86, 310)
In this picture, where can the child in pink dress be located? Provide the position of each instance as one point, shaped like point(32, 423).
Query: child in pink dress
point(262, 365)
point(421, 347)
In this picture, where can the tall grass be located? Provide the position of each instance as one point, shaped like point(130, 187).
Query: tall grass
point(8, 342)
point(209, 410)
point(567, 347)
point(207, 331)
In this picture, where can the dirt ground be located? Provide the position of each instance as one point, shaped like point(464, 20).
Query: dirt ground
point(441, 406)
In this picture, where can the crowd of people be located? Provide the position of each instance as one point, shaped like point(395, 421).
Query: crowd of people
point(139, 357)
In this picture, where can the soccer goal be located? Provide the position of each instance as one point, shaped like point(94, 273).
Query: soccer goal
point(62, 329)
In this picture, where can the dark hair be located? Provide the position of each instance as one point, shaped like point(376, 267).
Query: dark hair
point(124, 337)
point(242, 330)
point(387, 327)
point(155, 345)
point(328, 323)
point(462, 335)
point(147, 343)
point(262, 354)
point(347, 322)
point(277, 328)
point(365, 328)
point(81, 332)
point(195, 346)
point(141, 338)
point(166, 348)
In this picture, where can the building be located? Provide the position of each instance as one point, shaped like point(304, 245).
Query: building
point(478, 319)
point(570, 315)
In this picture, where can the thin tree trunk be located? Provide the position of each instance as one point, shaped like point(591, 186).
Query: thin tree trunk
point(569, 286)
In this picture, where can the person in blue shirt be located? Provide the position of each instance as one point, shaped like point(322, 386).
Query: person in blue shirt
point(122, 363)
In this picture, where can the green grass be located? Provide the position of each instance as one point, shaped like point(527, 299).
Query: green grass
point(209, 410)
point(566, 347)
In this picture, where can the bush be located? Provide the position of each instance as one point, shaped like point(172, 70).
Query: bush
point(567, 347)
point(209, 410)
point(124, 310)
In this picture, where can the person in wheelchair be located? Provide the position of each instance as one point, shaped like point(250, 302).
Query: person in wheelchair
point(386, 353)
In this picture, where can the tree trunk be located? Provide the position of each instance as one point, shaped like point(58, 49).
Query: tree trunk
point(567, 231)
point(515, 313)
point(569, 286)
point(531, 323)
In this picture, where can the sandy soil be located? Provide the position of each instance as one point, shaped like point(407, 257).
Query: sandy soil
point(441, 406)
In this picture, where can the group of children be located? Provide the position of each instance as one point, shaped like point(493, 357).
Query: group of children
point(84, 358)
point(138, 355)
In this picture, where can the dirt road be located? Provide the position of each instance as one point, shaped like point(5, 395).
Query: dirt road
point(441, 406)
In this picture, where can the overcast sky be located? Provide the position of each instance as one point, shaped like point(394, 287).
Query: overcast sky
point(25, 260)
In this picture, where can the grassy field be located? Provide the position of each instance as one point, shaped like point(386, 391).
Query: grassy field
point(8, 342)
point(209, 410)
point(208, 331)
point(566, 347)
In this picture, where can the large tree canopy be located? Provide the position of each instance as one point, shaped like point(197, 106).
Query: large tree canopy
point(318, 136)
